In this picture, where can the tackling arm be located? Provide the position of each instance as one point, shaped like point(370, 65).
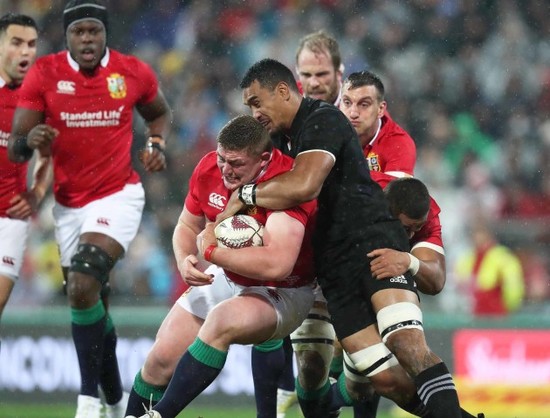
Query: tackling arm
point(301, 184)
point(430, 276)
point(292, 188)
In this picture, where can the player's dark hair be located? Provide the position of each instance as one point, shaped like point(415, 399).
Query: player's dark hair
point(16, 19)
point(269, 72)
point(408, 196)
point(365, 78)
point(245, 133)
point(321, 43)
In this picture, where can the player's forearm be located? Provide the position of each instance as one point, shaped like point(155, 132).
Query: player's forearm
point(254, 262)
point(430, 278)
point(283, 192)
point(184, 242)
point(42, 176)
point(18, 149)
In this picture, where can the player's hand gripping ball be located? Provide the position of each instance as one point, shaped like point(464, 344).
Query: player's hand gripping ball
point(239, 231)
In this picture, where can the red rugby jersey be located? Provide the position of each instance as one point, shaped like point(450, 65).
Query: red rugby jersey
point(430, 234)
point(13, 177)
point(392, 150)
point(208, 196)
point(93, 114)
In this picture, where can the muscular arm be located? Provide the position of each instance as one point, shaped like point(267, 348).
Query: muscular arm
point(275, 260)
point(25, 204)
point(157, 115)
point(27, 127)
point(184, 242)
point(430, 278)
point(301, 184)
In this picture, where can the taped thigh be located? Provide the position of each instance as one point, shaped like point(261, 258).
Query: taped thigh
point(365, 363)
point(398, 316)
point(316, 333)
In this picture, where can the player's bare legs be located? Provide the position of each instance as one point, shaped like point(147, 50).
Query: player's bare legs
point(93, 331)
point(178, 330)
point(6, 286)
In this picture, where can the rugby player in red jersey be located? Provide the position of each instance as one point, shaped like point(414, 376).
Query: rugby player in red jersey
point(388, 148)
point(254, 295)
point(18, 38)
point(78, 105)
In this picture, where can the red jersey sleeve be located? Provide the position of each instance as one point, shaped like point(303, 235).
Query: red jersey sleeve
point(150, 83)
point(192, 200)
point(31, 94)
point(430, 234)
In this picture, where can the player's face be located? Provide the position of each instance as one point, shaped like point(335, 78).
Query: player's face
point(17, 52)
point(239, 167)
point(363, 108)
point(87, 41)
point(320, 80)
point(412, 226)
point(267, 106)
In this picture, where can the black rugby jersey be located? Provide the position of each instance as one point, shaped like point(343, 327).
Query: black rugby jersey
point(350, 201)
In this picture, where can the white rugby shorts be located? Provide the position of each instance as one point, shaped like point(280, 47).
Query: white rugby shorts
point(13, 241)
point(117, 216)
point(291, 304)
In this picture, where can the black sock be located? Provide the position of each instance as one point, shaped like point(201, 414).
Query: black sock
point(109, 379)
point(437, 391)
point(315, 404)
point(366, 408)
point(286, 380)
point(88, 341)
point(267, 367)
point(416, 407)
point(143, 396)
point(196, 370)
point(466, 414)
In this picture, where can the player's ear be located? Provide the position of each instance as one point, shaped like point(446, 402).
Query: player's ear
point(265, 157)
point(382, 108)
point(283, 91)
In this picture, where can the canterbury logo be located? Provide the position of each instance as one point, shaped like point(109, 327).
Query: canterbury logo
point(66, 87)
point(103, 221)
point(10, 261)
point(216, 200)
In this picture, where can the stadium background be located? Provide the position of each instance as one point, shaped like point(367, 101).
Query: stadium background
point(470, 80)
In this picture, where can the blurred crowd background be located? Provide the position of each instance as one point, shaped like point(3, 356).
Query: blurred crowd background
point(469, 80)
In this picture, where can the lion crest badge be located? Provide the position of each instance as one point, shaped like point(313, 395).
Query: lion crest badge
point(117, 86)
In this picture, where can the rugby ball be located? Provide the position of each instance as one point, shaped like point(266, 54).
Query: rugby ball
point(239, 231)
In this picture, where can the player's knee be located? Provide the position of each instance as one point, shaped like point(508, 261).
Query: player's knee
point(312, 370)
point(92, 261)
point(160, 365)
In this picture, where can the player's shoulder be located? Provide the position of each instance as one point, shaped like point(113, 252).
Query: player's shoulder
point(127, 60)
point(391, 128)
point(207, 162)
point(51, 60)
